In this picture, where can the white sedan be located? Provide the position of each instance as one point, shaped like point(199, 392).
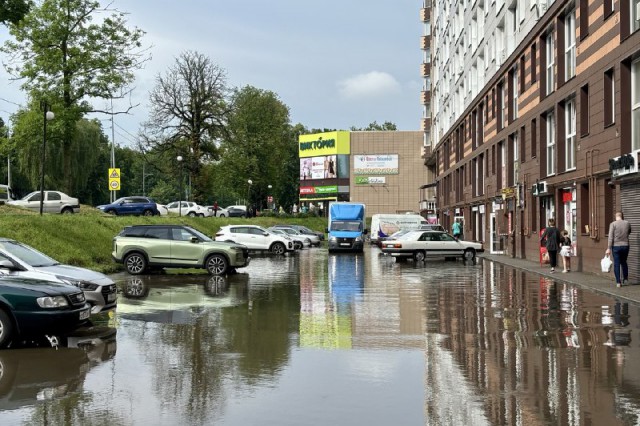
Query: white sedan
point(54, 202)
point(422, 244)
point(187, 208)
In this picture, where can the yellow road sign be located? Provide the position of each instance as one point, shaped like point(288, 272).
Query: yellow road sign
point(114, 184)
point(114, 173)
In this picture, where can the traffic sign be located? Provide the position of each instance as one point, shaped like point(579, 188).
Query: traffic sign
point(114, 184)
point(114, 173)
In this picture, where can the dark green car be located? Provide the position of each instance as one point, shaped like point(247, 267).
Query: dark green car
point(34, 308)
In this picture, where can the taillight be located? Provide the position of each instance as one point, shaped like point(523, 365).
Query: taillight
point(397, 245)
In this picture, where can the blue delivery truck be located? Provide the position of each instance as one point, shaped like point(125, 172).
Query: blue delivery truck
point(346, 226)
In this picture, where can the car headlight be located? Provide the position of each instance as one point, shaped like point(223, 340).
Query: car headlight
point(52, 302)
point(334, 239)
point(82, 285)
point(358, 239)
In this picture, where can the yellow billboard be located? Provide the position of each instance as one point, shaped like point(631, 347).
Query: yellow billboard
point(328, 143)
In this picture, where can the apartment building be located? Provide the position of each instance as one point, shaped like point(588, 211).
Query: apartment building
point(549, 129)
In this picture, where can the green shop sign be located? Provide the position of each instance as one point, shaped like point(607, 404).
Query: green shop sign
point(326, 189)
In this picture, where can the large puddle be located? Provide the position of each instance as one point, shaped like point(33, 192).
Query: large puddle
point(319, 339)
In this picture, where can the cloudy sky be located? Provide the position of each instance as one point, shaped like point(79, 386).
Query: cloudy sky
point(335, 63)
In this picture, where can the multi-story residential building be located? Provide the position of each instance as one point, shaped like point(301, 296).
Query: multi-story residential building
point(549, 129)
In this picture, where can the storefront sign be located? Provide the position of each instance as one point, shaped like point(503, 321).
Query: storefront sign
point(304, 190)
point(318, 167)
point(508, 192)
point(371, 180)
point(309, 190)
point(375, 164)
point(321, 144)
point(539, 188)
point(625, 164)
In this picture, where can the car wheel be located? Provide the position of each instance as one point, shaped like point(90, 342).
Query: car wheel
point(216, 264)
point(191, 214)
point(112, 212)
point(297, 245)
point(135, 263)
point(201, 215)
point(147, 213)
point(278, 248)
point(67, 210)
point(419, 256)
point(6, 329)
point(223, 215)
point(469, 254)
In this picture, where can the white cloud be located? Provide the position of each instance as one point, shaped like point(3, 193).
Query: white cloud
point(369, 85)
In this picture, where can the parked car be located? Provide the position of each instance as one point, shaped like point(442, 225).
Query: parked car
point(138, 206)
point(255, 238)
point(294, 234)
point(6, 194)
point(187, 208)
point(431, 227)
point(305, 231)
point(221, 212)
point(54, 202)
point(423, 244)
point(22, 260)
point(30, 308)
point(141, 247)
point(299, 242)
point(233, 211)
point(162, 209)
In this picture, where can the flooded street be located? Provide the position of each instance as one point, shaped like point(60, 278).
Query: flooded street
point(319, 339)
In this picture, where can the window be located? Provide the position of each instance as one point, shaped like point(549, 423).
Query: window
point(550, 62)
point(584, 18)
point(609, 98)
point(53, 196)
point(570, 140)
point(516, 164)
point(635, 105)
point(551, 143)
point(635, 15)
point(534, 66)
point(514, 89)
point(502, 107)
point(534, 139)
point(570, 45)
point(607, 8)
point(584, 110)
point(522, 68)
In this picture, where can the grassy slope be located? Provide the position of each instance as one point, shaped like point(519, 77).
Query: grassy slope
point(85, 239)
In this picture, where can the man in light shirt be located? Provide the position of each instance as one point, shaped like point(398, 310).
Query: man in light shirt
point(619, 231)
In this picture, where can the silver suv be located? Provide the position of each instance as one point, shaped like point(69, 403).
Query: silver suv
point(255, 238)
point(20, 259)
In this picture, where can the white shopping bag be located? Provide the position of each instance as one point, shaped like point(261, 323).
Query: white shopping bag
point(606, 263)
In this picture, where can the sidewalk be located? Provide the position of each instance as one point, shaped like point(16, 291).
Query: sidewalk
point(598, 284)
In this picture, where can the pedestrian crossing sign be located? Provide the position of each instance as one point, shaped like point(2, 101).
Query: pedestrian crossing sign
point(114, 173)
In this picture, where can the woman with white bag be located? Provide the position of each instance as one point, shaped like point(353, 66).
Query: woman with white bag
point(565, 251)
point(619, 231)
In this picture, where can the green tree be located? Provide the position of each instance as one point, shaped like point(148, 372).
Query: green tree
point(67, 59)
point(12, 11)
point(374, 126)
point(257, 146)
point(189, 110)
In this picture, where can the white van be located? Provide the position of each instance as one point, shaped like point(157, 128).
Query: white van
point(6, 194)
point(383, 225)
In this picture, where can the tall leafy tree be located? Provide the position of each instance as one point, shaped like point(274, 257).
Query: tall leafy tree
point(189, 110)
point(66, 58)
point(12, 11)
point(257, 145)
point(375, 126)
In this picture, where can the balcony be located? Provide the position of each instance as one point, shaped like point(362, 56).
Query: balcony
point(425, 124)
point(425, 97)
point(425, 42)
point(425, 70)
point(425, 14)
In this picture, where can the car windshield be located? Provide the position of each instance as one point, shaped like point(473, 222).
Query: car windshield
point(406, 236)
point(343, 225)
point(200, 235)
point(26, 197)
point(28, 255)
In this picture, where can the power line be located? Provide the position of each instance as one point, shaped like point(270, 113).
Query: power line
point(10, 102)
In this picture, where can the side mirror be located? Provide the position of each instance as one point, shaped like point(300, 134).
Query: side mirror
point(365, 232)
point(6, 264)
point(326, 230)
point(266, 234)
point(194, 239)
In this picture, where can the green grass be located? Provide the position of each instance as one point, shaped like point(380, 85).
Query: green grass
point(85, 239)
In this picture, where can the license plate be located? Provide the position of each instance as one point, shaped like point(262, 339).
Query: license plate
point(111, 297)
point(345, 244)
point(84, 314)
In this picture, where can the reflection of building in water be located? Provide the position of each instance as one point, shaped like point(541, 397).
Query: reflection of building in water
point(344, 315)
point(535, 352)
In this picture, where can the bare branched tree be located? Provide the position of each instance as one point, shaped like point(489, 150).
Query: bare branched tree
point(189, 109)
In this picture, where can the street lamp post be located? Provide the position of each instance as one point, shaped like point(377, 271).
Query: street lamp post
point(48, 115)
point(250, 182)
point(144, 176)
point(179, 158)
point(269, 205)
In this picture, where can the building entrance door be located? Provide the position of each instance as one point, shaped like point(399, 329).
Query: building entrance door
point(495, 241)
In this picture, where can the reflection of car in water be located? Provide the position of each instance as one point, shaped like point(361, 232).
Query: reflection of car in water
point(179, 298)
point(31, 375)
point(346, 278)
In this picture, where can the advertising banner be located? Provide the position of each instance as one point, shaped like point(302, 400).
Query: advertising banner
point(329, 189)
point(318, 167)
point(386, 164)
point(371, 180)
point(321, 144)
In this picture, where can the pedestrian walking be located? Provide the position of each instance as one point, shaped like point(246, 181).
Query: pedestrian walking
point(619, 231)
point(551, 237)
point(457, 229)
point(215, 209)
point(295, 209)
point(565, 251)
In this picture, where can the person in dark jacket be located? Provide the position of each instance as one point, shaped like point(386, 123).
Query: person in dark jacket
point(552, 238)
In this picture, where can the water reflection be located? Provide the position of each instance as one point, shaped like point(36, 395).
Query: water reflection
point(344, 339)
